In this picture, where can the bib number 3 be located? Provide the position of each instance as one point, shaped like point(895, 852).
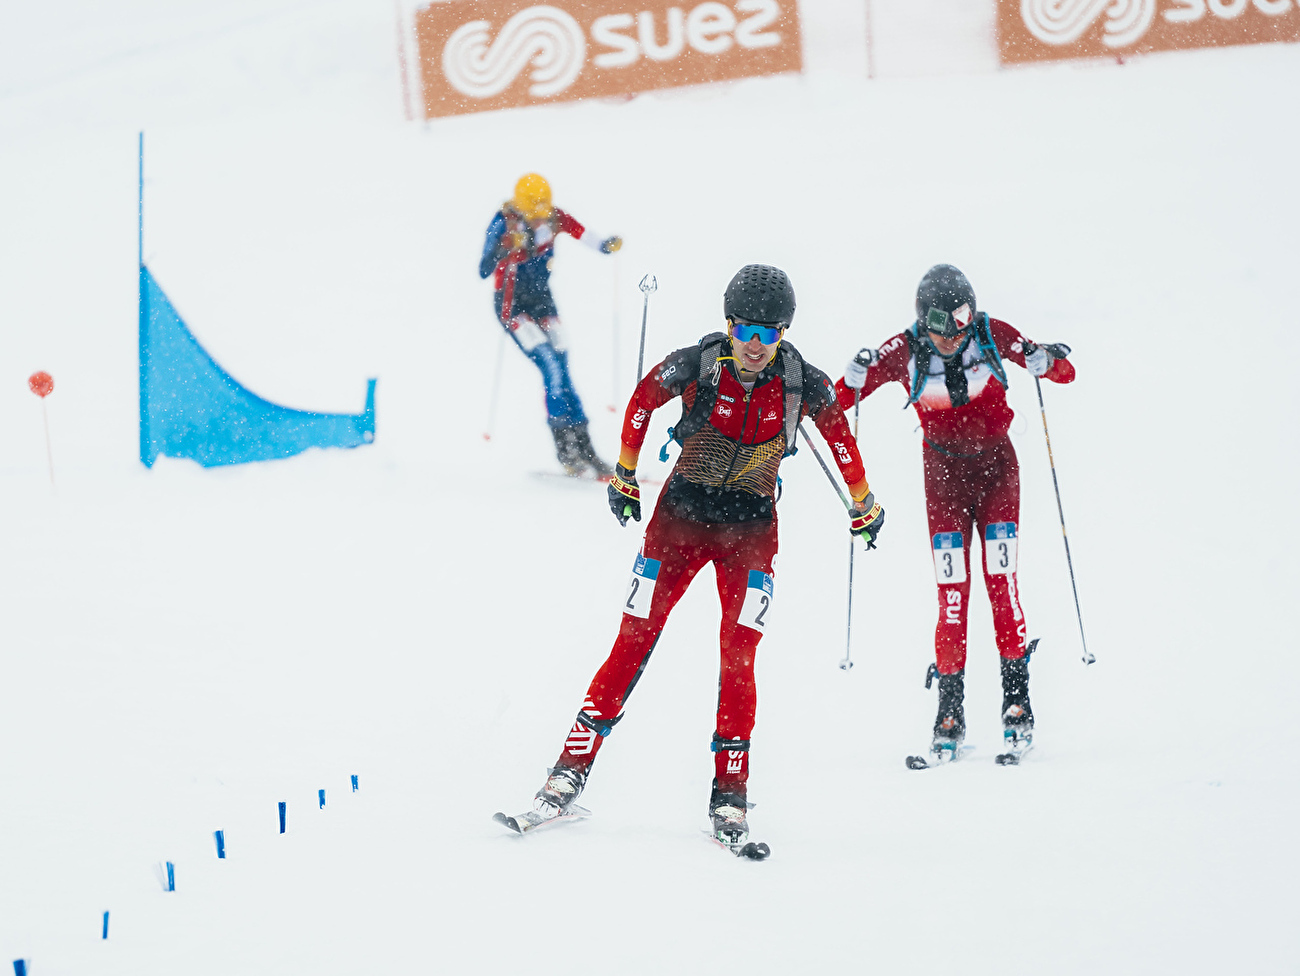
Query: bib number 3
point(641, 588)
point(1000, 548)
point(758, 601)
point(949, 558)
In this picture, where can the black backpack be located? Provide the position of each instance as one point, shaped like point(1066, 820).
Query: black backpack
point(706, 391)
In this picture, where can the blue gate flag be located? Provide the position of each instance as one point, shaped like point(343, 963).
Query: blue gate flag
point(192, 408)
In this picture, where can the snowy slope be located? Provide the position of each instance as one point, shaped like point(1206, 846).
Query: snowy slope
point(181, 649)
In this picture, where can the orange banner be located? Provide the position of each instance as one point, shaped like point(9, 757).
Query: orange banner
point(1055, 30)
point(479, 55)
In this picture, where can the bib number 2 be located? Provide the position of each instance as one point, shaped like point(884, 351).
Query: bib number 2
point(641, 588)
point(758, 601)
point(949, 558)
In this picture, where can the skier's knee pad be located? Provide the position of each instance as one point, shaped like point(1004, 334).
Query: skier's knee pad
point(527, 333)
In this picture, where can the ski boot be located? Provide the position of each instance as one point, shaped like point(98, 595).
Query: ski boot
point(950, 723)
point(563, 785)
point(1017, 715)
point(587, 453)
point(567, 451)
point(727, 813)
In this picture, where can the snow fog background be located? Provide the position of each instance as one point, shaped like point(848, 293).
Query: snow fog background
point(181, 649)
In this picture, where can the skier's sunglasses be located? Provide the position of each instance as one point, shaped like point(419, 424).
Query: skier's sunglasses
point(766, 334)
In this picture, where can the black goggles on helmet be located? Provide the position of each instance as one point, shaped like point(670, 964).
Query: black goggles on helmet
point(949, 324)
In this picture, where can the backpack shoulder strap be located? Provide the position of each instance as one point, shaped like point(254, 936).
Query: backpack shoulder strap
point(989, 349)
point(792, 379)
point(921, 356)
point(706, 388)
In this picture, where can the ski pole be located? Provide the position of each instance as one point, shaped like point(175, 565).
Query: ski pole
point(848, 630)
point(1088, 657)
point(830, 477)
point(648, 284)
point(496, 386)
point(848, 640)
point(614, 319)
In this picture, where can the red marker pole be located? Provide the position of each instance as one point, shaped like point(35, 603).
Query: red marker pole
point(42, 384)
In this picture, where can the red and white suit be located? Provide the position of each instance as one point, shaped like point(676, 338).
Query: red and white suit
point(718, 506)
point(972, 478)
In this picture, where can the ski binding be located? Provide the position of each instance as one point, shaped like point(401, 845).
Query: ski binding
point(939, 756)
point(1018, 743)
point(746, 849)
point(522, 823)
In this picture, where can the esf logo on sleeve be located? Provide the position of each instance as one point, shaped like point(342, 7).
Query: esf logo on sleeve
point(479, 55)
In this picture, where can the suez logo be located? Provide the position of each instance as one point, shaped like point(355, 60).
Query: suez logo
point(952, 613)
point(1038, 30)
point(710, 28)
point(477, 55)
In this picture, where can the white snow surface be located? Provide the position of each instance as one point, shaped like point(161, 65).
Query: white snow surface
point(181, 649)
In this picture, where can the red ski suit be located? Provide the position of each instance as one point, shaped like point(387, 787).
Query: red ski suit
point(717, 506)
point(971, 475)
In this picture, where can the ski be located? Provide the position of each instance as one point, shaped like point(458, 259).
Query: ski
point(588, 478)
point(922, 762)
point(749, 850)
point(522, 823)
point(584, 476)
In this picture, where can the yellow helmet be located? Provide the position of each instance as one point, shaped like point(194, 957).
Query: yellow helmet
point(533, 196)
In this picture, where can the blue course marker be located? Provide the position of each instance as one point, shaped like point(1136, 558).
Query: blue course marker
point(106, 925)
point(171, 876)
point(20, 967)
point(221, 844)
point(354, 782)
point(282, 816)
point(321, 793)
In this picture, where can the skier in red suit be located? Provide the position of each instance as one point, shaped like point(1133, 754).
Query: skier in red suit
point(952, 362)
point(742, 395)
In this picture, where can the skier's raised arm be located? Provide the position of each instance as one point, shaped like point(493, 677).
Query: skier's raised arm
point(568, 224)
point(1045, 360)
point(870, 369)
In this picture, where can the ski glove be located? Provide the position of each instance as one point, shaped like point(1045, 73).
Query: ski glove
point(611, 244)
point(866, 519)
point(1039, 359)
point(855, 373)
point(624, 495)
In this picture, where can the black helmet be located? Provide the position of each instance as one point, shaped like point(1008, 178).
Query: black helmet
point(760, 293)
point(942, 292)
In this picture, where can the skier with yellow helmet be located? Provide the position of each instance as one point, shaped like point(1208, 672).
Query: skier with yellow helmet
point(517, 252)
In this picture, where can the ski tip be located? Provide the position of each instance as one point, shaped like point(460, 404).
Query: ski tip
point(754, 852)
point(505, 821)
point(916, 762)
point(1007, 759)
